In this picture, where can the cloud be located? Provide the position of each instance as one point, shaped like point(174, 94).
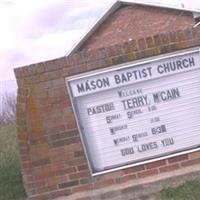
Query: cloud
point(41, 31)
point(36, 50)
point(33, 31)
point(34, 20)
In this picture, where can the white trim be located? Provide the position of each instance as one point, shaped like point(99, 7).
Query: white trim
point(111, 8)
point(118, 67)
point(146, 162)
point(197, 24)
point(114, 6)
point(158, 5)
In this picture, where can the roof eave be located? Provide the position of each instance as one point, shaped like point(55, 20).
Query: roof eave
point(111, 10)
point(129, 2)
point(95, 26)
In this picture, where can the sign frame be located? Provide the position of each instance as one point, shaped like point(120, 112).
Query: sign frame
point(115, 68)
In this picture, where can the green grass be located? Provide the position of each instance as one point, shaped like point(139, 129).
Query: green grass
point(11, 186)
point(187, 191)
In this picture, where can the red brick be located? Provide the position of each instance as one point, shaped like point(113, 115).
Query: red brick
point(43, 175)
point(127, 24)
point(62, 179)
point(173, 36)
point(65, 142)
point(18, 73)
point(178, 159)
point(111, 50)
point(190, 162)
point(194, 155)
point(65, 171)
point(195, 32)
point(155, 164)
point(85, 198)
point(146, 173)
point(83, 188)
point(68, 184)
point(53, 65)
point(82, 167)
point(110, 175)
point(79, 175)
point(118, 49)
point(73, 147)
point(126, 178)
point(40, 162)
point(50, 76)
point(60, 167)
point(70, 60)
point(71, 122)
point(58, 82)
point(134, 169)
point(46, 189)
point(164, 38)
point(169, 168)
point(79, 153)
point(86, 180)
point(133, 45)
point(40, 197)
point(21, 99)
point(23, 91)
point(75, 162)
point(157, 40)
point(181, 35)
point(104, 183)
point(25, 158)
point(39, 184)
point(59, 193)
point(150, 42)
point(74, 70)
point(140, 54)
point(40, 68)
point(127, 47)
point(191, 43)
point(142, 44)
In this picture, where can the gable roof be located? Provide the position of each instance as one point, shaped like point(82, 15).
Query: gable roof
point(117, 4)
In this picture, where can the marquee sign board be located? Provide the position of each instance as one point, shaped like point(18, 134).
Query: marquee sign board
point(140, 112)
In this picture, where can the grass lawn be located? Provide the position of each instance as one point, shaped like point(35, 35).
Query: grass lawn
point(187, 191)
point(11, 187)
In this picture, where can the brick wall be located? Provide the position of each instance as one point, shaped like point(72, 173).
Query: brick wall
point(135, 22)
point(52, 158)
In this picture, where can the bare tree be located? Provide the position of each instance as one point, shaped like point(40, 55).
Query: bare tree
point(8, 109)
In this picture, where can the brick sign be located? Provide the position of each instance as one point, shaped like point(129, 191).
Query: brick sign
point(138, 113)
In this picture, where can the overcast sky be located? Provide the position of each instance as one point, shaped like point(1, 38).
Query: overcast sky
point(37, 30)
